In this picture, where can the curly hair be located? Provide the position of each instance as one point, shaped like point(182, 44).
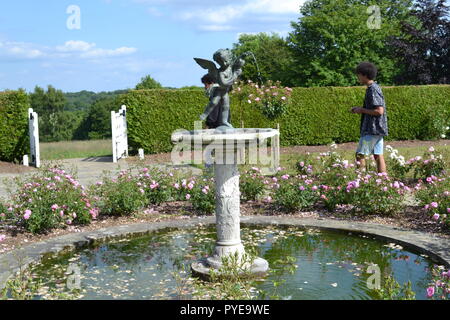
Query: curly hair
point(367, 69)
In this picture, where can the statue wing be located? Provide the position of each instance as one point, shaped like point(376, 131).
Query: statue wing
point(208, 65)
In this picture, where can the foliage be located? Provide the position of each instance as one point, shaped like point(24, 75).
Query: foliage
point(273, 57)
point(293, 194)
point(52, 199)
point(430, 164)
point(314, 116)
point(422, 49)
point(202, 196)
point(332, 37)
point(97, 122)
point(252, 184)
point(83, 100)
point(440, 286)
point(49, 105)
point(122, 196)
point(270, 98)
point(21, 287)
point(14, 141)
point(391, 290)
point(376, 194)
point(148, 82)
point(433, 195)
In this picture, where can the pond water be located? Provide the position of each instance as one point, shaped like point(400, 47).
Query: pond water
point(330, 265)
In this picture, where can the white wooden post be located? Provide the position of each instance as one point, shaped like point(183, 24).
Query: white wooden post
point(33, 127)
point(114, 134)
point(119, 134)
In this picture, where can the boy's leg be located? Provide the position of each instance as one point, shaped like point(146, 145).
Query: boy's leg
point(378, 155)
point(381, 164)
point(361, 159)
point(361, 152)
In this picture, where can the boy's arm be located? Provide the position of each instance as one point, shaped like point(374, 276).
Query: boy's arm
point(378, 111)
point(375, 105)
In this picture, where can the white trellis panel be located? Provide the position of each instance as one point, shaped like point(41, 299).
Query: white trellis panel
point(119, 134)
point(33, 127)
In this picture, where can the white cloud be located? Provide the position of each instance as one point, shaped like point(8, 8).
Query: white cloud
point(20, 50)
point(70, 49)
point(217, 15)
point(75, 46)
point(104, 53)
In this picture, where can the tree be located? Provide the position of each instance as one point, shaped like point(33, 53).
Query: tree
point(148, 82)
point(332, 36)
point(423, 50)
point(97, 122)
point(273, 56)
point(50, 106)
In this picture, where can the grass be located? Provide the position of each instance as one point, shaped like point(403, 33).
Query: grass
point(75, 149)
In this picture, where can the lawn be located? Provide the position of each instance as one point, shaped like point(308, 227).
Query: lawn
point(75, 149)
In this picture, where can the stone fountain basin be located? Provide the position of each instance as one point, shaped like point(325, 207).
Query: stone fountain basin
point(231, 135)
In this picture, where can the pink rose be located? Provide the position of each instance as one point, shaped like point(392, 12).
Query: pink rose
point(436, 216)
point(430, 292)
point(188, 196)
point(27, 214)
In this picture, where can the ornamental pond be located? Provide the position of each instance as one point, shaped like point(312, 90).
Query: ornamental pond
point(328, 265)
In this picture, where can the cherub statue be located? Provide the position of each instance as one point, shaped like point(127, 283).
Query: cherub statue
point(229, 71)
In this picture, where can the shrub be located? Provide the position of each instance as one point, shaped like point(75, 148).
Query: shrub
point(52, 199)
point(121, 196)
point(293, 194)
point(314, 116)
point(434, 196)
point(202, 196)
point(439, 288)
point(271, 99)
point(430, 164)
point(14, 140)
point(156, 185)
point(252, 184)
point(376, 194)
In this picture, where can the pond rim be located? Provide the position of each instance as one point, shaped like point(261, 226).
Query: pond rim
point(435, 247)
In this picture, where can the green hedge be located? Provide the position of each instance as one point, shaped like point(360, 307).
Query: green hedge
point(315, 116)
point(14, 140)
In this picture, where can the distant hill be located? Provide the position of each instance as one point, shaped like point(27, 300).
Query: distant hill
point(81, 101)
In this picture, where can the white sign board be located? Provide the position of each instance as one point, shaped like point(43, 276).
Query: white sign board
point(119, 134)
point(33, 128)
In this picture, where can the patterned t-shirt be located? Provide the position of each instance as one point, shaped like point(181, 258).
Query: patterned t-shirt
point(374, 125)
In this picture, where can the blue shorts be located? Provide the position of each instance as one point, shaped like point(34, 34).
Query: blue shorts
point(370, 145)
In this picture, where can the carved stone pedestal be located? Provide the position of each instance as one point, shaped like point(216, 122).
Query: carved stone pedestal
point(228, 224)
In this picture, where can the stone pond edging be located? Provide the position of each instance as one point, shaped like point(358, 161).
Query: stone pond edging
point(436, 247)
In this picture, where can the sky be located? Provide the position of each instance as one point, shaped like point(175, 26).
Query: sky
point(105, 45)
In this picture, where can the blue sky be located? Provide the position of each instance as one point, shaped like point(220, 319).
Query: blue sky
point(120, 41)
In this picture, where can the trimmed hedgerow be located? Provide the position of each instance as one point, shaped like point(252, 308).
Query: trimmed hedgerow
point(315, 116)
point(14, 140)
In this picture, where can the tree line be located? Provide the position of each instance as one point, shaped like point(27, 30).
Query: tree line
point(410, 45)
point(409, 42)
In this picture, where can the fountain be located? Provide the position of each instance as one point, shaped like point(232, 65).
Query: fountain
point(229, 146)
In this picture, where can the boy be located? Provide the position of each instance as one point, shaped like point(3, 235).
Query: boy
point(374, 126)
point(209, 84)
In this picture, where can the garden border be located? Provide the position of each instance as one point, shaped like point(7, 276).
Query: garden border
point(432, 245)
